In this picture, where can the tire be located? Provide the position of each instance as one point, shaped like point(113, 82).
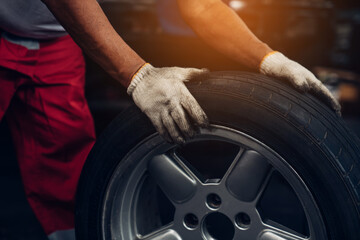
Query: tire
point(129, 188)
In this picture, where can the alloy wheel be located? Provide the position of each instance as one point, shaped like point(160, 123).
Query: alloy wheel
point(170, 194)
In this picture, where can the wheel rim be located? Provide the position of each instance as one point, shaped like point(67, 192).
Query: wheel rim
point(232, 207)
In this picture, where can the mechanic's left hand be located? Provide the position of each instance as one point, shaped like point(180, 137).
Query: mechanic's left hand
point(277, 65)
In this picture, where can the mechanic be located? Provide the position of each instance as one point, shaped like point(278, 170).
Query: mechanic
point(42, 88)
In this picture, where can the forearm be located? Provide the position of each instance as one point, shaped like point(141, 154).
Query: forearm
point(89, 27)
point(221, 28)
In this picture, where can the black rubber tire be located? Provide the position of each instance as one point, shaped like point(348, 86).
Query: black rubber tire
point(300, 128)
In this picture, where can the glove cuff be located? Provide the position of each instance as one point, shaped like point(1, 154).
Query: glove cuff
point(138, 76)
point(271, 60)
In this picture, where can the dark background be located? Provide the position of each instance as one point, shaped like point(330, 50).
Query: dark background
point(322, 35)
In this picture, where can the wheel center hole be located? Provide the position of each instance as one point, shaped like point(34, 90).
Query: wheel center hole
point(218, 226)
point(213, 201)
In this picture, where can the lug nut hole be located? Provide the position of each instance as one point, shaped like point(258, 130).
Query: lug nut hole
point(213, 201)
point(191, 221)
point(243, 220)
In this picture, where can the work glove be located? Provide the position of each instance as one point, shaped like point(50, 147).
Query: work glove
point(162, 95)
point(275, 64)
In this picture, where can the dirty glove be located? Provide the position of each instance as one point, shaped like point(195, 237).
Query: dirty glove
point(162, 95)
point(275, 64)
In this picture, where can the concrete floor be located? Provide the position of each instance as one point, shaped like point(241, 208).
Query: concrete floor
point(17, 221)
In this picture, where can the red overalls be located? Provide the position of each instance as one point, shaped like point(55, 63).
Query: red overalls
point(42, 97)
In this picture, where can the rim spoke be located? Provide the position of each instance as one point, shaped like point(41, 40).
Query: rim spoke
point(247, 176)
point(190, 172)
point(177, 185)
point(264, 185)
point(275, 233)
point(166, 233)
point(233, 164)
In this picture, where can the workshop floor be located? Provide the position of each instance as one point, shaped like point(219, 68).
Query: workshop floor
point(17, 222)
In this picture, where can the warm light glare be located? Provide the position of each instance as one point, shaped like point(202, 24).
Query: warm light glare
point(236, 5)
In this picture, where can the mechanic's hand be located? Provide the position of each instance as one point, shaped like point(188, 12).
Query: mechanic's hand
point(275, 64)
point(162, 95)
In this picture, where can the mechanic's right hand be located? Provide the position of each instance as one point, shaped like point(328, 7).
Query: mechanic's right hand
point(162, 95)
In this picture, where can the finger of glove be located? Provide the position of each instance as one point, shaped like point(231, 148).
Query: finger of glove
point(294, 73)
point(179, 116)
point(193, 109)
point(299, 81)
point(321, 90)
point(188, 74)
point(173, 131)
point(160, 128)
